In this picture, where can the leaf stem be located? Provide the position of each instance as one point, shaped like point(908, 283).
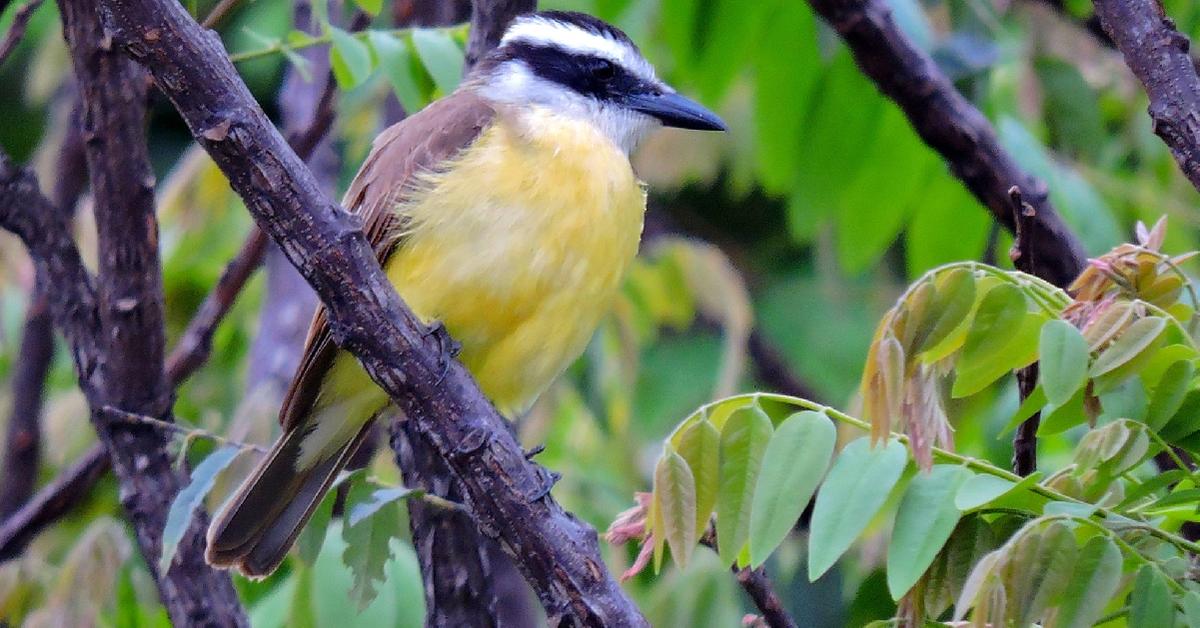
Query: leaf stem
point(974, 464)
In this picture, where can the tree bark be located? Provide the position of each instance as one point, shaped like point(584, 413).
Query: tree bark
point(1159, 56)
point(507, 495)
point(951, 125)
point(130, 312)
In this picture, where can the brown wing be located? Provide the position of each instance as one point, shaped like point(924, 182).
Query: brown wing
point(416, 144)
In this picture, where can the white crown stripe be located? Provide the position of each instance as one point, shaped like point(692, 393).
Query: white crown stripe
point(540, 31)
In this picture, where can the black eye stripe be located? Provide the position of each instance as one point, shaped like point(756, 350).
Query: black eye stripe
point(586, 74)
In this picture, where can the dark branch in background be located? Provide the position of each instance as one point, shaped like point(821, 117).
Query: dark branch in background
point(468, 579)
point(951, 125)
point(1159, 57)
point(64, 493)
point(489, 18)
point(22, 453)
point(1023, 254)
point(17, 29)
point(758, 586)
point(131, 335)
point(507, 495)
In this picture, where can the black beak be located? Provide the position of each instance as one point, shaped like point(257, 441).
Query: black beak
point(677, 111)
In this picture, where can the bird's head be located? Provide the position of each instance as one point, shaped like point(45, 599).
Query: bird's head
point(583, 67)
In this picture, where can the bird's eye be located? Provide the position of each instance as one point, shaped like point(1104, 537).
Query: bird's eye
point(605, 70)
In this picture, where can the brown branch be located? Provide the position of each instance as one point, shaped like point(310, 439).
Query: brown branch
point(758, 586)
point(131, 334)
point(951, 125)
point(1159, 57)
point(1023, 253)
point(489, 18)
point(61, 495)
point(507, 495)
point(16, 30)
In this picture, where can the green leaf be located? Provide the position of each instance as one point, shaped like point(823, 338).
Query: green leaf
point(1169, 394)
point(998, 318)
point(1191, 609)
point(744, 439)
point(379, 498)
point(792, 467)
point(350, 58)
point(926, 517)
point(189, 499)
point(979, 490)
point(370, 7)
point(1038, 571)
point(312, 537)
point(1150, 603)
point(955, 295)
point(700, 446)
point(675, 491)
point(1129, 344)
point(1095, 579)
point(398, 62)
point(1063, 355)
point(1021, 350)
point(1150, 486)
point(367, 543)
point(1033, 403)
point(974, 584)
point(855, 489)
point(441, 57)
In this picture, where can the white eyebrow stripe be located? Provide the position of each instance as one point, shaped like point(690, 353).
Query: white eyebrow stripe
point(538, 31)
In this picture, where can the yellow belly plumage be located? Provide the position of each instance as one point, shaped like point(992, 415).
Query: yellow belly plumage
point(518, 248)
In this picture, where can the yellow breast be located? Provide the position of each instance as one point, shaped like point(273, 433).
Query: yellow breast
point(519, 247)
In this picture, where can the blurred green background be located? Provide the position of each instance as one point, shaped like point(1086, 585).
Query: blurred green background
point(803, 222)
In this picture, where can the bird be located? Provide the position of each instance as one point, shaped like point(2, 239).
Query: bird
point(506, 212)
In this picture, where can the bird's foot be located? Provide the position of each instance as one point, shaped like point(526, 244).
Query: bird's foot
point(448, 347)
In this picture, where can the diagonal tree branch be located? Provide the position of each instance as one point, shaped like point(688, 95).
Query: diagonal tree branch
point(951, 125)
point(507, 494)
point(1159, 57)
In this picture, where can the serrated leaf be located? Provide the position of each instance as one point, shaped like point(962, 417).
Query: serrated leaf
point(367, 543)
point(924, 521)
point(179, 517)
point(744, 439)
point(954, 298)
point(1063, 356)
point(441, 57)
point(1129, 344)
point(349, 57)
point(1169, 393)
point(675, 495)
point(793, 465)
point(856, 488)
point(1150, 603)
point(379, 498)
point(397, 62)
point(700, 446)
point(1095, 579)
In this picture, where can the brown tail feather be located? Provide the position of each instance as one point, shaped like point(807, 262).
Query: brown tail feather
point(258, 525)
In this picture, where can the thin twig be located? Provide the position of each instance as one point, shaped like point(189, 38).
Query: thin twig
point(219, 13)
point(1023, 254)
point(16, 31)
point(758, 586)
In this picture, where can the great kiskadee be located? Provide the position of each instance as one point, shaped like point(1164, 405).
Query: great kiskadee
point(507, 211)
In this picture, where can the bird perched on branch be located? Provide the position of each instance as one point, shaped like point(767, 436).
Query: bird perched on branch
point(506, 211)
